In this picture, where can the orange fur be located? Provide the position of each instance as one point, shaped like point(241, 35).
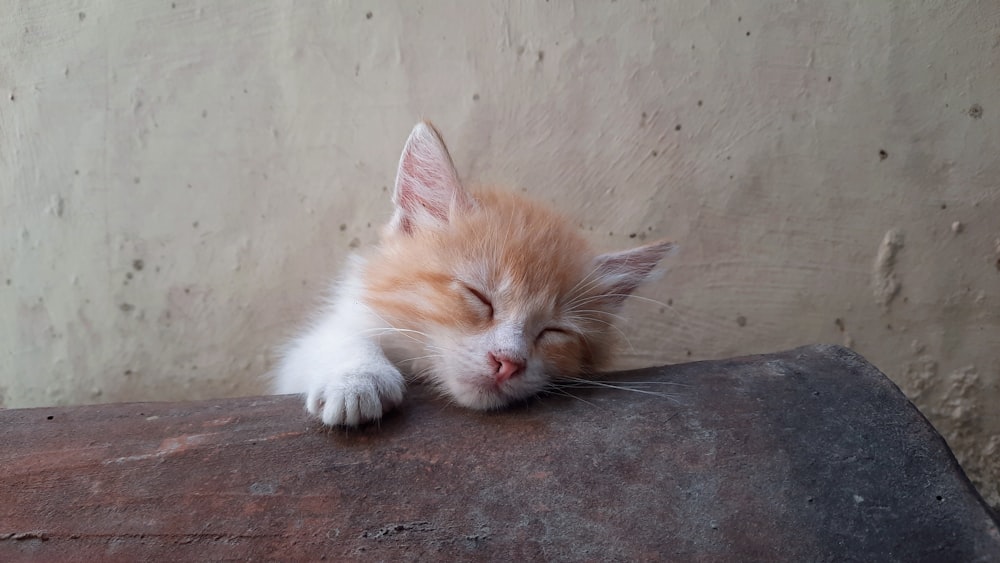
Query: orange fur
point(414, 279)
point(486, 294)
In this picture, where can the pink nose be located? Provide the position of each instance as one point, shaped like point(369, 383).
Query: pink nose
point(505, 366)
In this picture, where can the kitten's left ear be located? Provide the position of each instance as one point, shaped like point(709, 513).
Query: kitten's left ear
point(427, 191)
point(620, 273)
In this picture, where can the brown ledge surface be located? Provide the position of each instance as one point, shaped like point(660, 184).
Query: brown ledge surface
point(810, 454)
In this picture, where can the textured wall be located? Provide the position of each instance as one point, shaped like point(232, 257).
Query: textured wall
point(179, 180)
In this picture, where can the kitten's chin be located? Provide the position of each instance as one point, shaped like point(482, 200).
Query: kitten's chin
point(485, 397)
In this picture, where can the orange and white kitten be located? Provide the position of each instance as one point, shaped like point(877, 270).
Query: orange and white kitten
point(484, 294)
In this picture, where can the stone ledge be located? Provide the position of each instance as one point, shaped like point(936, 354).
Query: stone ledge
point(810, 454)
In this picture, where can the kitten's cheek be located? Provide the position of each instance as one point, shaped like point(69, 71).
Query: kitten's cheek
point(563, 360)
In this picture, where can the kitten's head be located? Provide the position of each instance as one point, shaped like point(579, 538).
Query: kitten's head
point(494, 296)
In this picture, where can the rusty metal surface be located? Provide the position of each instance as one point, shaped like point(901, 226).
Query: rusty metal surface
point(810, 454)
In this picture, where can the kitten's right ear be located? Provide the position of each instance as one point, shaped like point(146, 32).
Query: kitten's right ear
point(427, 191)
point(618, 274)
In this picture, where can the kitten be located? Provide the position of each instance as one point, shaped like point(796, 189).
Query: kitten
point(483, 294)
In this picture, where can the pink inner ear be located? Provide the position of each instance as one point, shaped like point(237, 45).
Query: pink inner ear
point(419, 175)
point(623, 272)
point(427, 186)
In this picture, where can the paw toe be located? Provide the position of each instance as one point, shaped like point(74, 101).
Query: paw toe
point(333, 411)
point(356, 399)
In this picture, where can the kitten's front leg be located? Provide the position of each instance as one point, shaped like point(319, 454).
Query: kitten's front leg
point(345, 376)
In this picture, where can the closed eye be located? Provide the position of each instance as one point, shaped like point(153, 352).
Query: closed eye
point(482, 299)
point(552, 332)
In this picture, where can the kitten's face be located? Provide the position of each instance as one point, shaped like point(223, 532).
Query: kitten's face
point(495, 296)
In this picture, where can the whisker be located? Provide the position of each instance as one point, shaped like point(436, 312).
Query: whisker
point(394, 329)
point(588, 381)
point(620, 318)
point(404, 331)
point(633, 390)
point(422, 357)
point(612, 325)
point(563, 393)
point(622, 295)
point(583, 286)
point(670, 396)
point(584, 295)
point(580, 291)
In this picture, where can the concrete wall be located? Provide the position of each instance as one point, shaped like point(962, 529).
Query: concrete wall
point(179, 180)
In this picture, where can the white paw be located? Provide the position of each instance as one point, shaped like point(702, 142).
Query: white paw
point(356, 395)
